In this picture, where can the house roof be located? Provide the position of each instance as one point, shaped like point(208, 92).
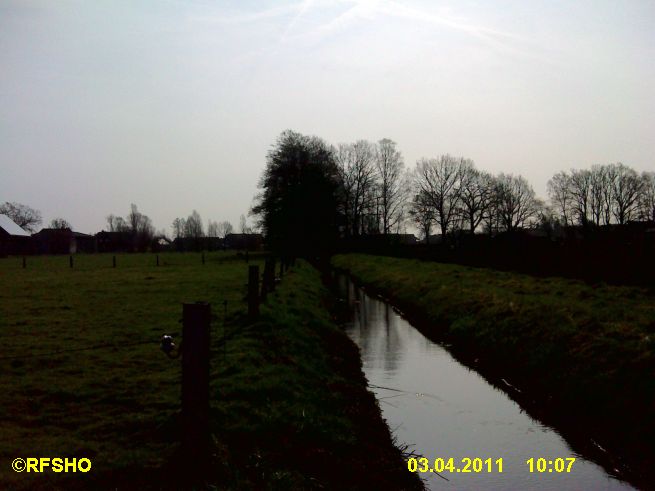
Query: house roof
point(9, 226)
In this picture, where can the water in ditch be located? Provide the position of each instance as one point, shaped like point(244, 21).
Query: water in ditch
point(444, 409)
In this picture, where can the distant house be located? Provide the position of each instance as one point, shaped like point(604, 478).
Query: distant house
point(85, 242)
point(251, 242)
point(115, 241)
point(13, 239)
point(63, 241)
point(161, 244)
point(182, 244)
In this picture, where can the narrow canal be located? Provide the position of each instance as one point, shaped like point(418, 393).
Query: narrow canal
point(444, 409)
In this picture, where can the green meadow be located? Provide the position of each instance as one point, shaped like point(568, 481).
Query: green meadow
point(112, 403)
point(83, 376)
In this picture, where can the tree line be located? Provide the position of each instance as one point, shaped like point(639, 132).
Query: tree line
point(602, 195)
point(137, 228)
point(313, 193)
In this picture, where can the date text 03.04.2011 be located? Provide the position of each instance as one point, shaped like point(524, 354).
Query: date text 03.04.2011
point(463, 465)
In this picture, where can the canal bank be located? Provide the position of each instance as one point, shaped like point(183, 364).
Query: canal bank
point(446, 410)
point(294, 410)
point(530, 337)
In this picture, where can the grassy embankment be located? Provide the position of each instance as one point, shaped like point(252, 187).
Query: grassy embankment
point(583, 353)
point(288, 397)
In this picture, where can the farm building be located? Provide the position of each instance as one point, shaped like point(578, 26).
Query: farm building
point(63, 241)
point(13, 239)
point(115, 241)
point(252, 242)
point(182, 244)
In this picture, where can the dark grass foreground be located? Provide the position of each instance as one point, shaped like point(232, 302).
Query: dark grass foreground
point(290, 408)
point(293, 409)
point(582, 355)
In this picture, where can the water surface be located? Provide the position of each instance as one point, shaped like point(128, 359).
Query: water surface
point(444, 409)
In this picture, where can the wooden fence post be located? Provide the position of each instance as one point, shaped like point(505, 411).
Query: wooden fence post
point(113, 261)
point(281, 267)
point(253, 292)
point(196, 318)
point(24, 263)
point(203, 258)
point(70, 260)
point(157, 259)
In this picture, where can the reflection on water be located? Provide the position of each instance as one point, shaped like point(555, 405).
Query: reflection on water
point(446, 410)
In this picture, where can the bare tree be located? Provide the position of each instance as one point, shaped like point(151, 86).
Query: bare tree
point(134, 218)
point(389, 164)
point(357, 174)
point(597, 190)
point(193, 226)
point(141, 227)
point(212, 229)
point(517, 202)
point(491, 218)
point(627, 188)
point(224, 228)
point(476, 189)
point(117, 224)
point(580, 189)
point(22, 215)
point(439, 181)
point(609, 179)
point(422, 214)
point(60, 223)
point(559, 191)
point(647, 197)
point(243, 225)
point(179, 226)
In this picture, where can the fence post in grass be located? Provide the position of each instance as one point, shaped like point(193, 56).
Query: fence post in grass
point(195, 387)
point(253, 292)
point(281, 267)
point(70, 260)
point(157, 259)
point(113, 261)
point(24, 263)
point(203, 258)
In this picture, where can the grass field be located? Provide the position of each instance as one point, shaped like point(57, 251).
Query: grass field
point(585, 353)
point(112, 404)
point(289, 403)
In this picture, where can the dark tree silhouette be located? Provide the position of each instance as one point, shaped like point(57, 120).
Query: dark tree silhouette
point(389, 164)
point(224, 228)
point(647, 198)
point(355, 163)
point(516, 202)
point(60, 223)
point(297, 208)
point(422, 214)
point(476, 189)
point(439, 182)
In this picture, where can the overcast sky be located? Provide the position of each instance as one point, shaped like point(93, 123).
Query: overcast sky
point(172, 105)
